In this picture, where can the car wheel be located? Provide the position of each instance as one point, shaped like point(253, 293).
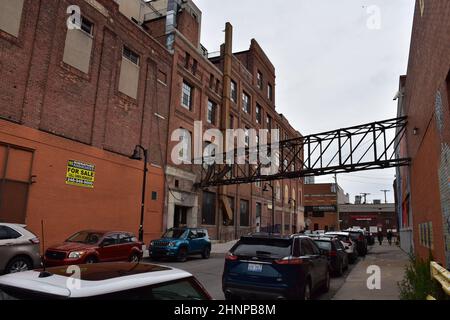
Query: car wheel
point(19, 264)
point(134, 258)
point(91, 260)
point(182, 254)
point(206, 253)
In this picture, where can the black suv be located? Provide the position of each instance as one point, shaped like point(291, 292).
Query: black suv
point(265, 266)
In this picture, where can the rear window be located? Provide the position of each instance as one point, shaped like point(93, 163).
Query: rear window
point(342, 237)
point(270, 248)
point(324, 245)
point(355, 235)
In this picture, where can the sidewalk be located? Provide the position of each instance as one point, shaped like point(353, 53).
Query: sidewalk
point(222, 247)
point(391, 260)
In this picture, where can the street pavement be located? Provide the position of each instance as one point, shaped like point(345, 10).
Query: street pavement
point(351, 286)
point(391, 260)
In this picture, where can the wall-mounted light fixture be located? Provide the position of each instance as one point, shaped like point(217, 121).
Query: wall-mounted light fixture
point(415, 131)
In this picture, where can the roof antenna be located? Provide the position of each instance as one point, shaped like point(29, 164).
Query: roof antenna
point(44, 273)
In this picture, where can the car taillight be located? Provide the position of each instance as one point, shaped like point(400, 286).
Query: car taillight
point(332, 253)
point(289, 261)
point(230, 257)
point(35, 241)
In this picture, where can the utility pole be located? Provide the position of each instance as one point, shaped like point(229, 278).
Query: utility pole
point(365, 197)
point(385, 194)
point(337, 202)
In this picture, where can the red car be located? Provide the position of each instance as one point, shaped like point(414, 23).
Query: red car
point(95, 246)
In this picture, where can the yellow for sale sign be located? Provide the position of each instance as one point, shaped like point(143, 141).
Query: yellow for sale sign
point(80, 174)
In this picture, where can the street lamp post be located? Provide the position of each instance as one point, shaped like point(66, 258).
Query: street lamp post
point(273, 203)
point(137, 156)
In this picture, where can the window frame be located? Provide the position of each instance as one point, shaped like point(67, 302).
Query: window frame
point(128, 56)
point(184, 86)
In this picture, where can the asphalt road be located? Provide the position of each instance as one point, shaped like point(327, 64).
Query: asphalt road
point(209, 273)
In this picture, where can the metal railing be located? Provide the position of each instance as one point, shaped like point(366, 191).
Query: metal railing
point(442, 276)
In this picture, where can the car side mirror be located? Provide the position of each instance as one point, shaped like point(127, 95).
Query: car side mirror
point(102, 244)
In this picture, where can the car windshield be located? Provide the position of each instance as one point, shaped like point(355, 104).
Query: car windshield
point(323, 244)
point(86, 237)
point(176, 234)
point(269, 248)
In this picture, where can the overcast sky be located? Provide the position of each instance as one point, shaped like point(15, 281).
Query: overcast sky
point(337, 62)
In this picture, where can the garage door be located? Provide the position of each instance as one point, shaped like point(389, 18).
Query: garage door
point(15, 175)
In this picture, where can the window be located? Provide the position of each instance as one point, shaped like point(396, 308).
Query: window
point(186, 97)
point(270, 92)
point(78, 46)
point(217, 85)
point(11, 16)
point(130, 55)
point(211, 81)
point(209, 208)
point(7, 233)
point(129, 73)
point(258, 114)
point(87, 26)
point(246, 103)
point(186, 139)
point(231, 121)
point(247, 137)
point(278, 191)
point(154, 195)
point(245, 218)
point(259, 80)
point(269, 122)
point(233, 91)
point(211, 113)
point(306, 248)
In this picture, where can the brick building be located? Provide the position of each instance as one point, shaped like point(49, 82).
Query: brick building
point(224, 90)
point(88, 95)
point(372, 217)
point(423, 190)
point(131, 73)
point(322, 204)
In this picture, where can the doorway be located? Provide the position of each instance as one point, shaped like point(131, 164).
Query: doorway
point(180, 217)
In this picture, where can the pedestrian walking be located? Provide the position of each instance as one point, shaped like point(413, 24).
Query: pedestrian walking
point(380, 237)
point(389, 237)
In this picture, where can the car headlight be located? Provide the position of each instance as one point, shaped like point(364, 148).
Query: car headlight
point(76, 254)
point(152, 243)
point(172, 244)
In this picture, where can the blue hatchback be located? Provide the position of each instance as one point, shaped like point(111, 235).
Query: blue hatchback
point(275, 267)
point(179, 243)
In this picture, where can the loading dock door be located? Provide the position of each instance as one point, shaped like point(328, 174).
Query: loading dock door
point(15, 174)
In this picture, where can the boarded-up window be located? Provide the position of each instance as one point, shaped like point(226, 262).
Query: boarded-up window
point(11, 16)
point(78, 46)
point(129, 73)
point(15, 173)
point(209, 208)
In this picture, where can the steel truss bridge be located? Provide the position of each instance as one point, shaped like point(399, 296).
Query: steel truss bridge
point(364, 147)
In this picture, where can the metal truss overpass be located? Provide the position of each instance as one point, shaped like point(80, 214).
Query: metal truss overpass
point(359, 148)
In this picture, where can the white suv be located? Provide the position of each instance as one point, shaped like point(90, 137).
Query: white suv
point(104, 281)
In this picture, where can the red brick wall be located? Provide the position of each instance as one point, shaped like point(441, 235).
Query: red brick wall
point(427, 107)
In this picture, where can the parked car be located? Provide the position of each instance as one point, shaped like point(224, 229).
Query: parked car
point(179, 243)
point(349, 245)
point(275, 267)
point(105, 281)
point(92, 246)
point(358, 236)
point(19, 249)
point(334, 249)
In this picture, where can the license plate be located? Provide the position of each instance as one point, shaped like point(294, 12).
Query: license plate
point(255, 267)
